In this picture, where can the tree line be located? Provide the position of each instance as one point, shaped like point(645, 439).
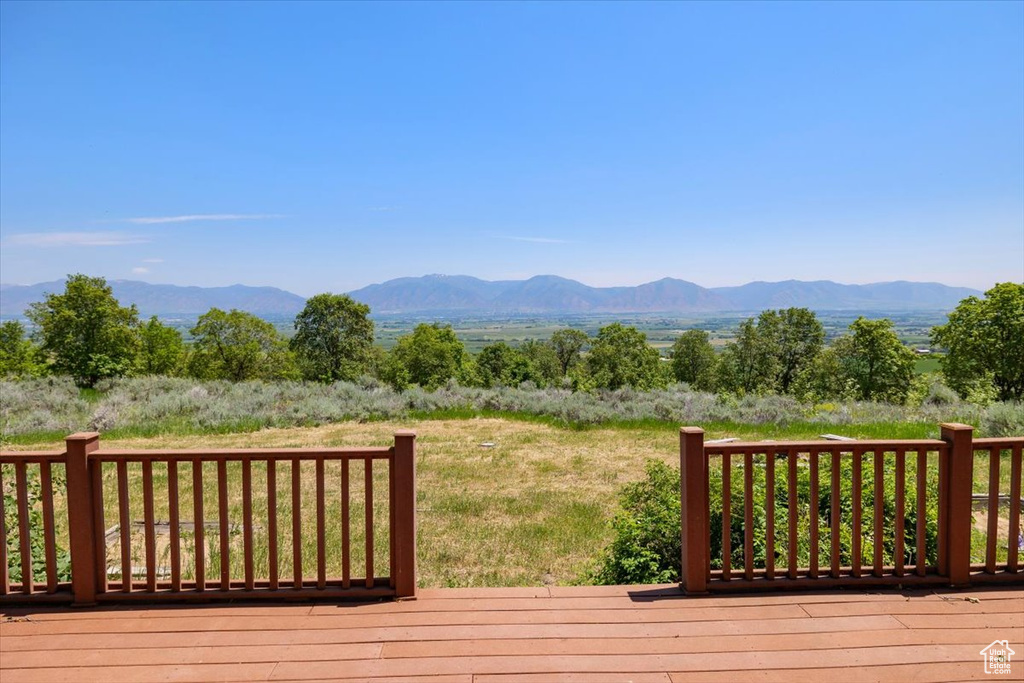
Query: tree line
point(85, 333)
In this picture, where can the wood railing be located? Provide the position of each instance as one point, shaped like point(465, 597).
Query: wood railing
point(776, 515)
point(351, 516)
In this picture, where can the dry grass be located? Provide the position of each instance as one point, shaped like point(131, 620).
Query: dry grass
point(532, 509)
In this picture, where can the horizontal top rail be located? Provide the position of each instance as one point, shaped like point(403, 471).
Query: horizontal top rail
point(241, 454)
point(999, 441)
point(822, 446)
point(12, 457)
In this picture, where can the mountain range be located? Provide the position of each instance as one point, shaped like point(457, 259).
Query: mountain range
point(543, 294)
point(549, 294)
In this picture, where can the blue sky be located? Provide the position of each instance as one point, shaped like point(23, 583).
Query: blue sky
point(323, 147)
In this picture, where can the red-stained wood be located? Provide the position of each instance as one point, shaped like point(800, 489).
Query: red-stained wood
point(957, 503)
point(368, 472)
point(5, 579)
point(199, 524)
point(346, 544)
point(404, 506)
point(49, 532)
point(247, 525)
point(99, 539)
point(856, 558)
point(921, 561)
point(1012, 558)
point(124, 525)
point(321, 527)
point(392, 570)
point(901, 511)
point(835, 522)
point(769, 530)
point(24, 531)
point(233, 454)
point(223, 523)
point(695, 531)
point(994, 456)
point(174, 519)
point(748, 516)
point(297, 523)
point(813, 514)
point(272, 559)
point(148, 523)
point(726, 517)
point(793, 514)
point(878, 460)
point(807, 446)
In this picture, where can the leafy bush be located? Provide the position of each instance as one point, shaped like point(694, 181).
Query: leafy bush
point(37, 545)
point(647, 547)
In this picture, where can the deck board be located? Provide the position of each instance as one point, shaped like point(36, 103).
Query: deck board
point(529, 635)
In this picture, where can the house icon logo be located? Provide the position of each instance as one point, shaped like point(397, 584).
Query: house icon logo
point(997, 657)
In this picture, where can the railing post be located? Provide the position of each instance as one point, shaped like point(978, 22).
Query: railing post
point(81, 533)
point(404, 506)
point(693, 510)
point(960, 481)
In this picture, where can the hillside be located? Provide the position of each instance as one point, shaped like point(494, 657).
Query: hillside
point(543, 294)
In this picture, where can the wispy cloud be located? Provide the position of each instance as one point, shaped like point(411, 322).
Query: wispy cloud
point(152, 260)
point(139, 270)
point(155, 220)
point(75, 239)
point(536, 240)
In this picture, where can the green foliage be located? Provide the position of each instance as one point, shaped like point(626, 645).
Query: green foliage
point(769, 355)
point(37, 540)
point(545, 367)
point(333, 338)
point(693, 360)
point(621, 357)
point(161, 349)
point(85, 332)
point(985, 343)
point(501, 365)
point(238, 346)
point(646, 548)
point(750, 363)
point(18, 356)
point(429, 357)
point(569, 345)
point(797, 337)
point(875, 360)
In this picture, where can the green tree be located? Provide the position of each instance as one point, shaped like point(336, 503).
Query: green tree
point(878, 364)
point(693, 360)
point(798, 338)
point(569, 345)
point(161, 349)
point(238, 346)
point(750, 363)
point(17, 353)
point(620, 356)
point(85, 332)
point(333, 338)
point(500, 364)
point(984, 340)
point(545, 368)
point(429, 357)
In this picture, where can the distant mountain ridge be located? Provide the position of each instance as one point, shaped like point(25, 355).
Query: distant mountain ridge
point(166, 300)
point(553, 294)
point(543, 294)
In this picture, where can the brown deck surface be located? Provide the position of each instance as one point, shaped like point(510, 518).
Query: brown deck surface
point(494, 635)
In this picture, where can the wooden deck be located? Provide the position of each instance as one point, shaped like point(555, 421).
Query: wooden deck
point(582, 635)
